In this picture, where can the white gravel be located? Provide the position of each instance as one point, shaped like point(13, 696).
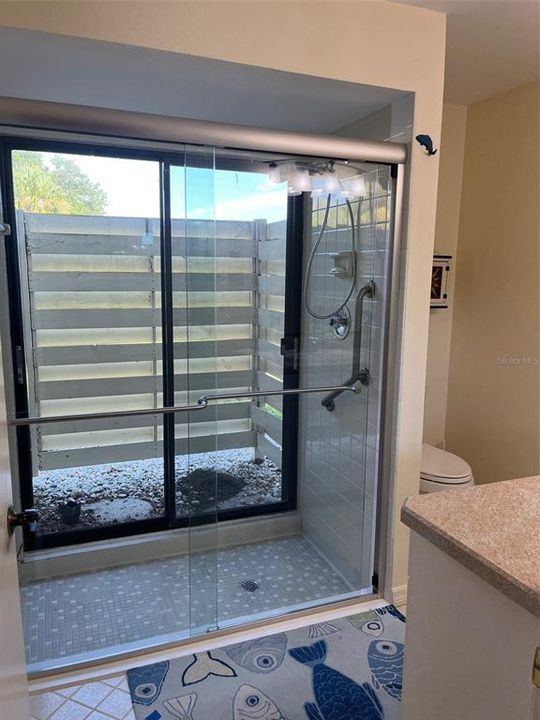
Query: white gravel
point(124, 491)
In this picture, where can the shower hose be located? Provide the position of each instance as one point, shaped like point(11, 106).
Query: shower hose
point(311, 258)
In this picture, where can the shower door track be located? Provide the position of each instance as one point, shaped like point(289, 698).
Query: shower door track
point(25, 117)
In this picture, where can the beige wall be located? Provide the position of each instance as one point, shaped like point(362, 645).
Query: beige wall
point(494, 383)
point(371, 42)
point(446, 242)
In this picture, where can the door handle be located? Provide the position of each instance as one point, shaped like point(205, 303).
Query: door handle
point(354, 387)
point(5, 229)
point(27, 518)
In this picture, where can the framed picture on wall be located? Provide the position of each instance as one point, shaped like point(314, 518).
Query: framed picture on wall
point(440, 275)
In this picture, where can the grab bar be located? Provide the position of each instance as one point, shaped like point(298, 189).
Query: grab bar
point(358, 374)
point(201, 404)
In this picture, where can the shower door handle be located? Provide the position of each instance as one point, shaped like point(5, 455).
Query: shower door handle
point(201, 404)
point(356, 388)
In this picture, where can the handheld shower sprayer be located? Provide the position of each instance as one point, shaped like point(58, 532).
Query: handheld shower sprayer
point(311, 258)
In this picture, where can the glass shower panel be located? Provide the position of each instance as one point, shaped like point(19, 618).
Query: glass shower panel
point(255, 470)
point(296, 301)
point(197, 372)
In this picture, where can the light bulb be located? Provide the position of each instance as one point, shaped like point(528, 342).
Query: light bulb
point(351, 182)
point(318, 186)
point(300, 179)
point(330, 183)
point(358, 186)
point(274, 174)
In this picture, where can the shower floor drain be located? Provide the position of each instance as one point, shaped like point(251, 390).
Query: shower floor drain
point(249, 585)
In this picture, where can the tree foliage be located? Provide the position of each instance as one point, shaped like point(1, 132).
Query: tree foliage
point(59, 186)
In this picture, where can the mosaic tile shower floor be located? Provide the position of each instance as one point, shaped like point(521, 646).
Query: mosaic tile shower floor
point(92, 612)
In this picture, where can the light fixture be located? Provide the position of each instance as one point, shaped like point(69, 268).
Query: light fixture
point(325, 177)
point(299, 180)
point(353, 187)
point(318, 186)
point(351, 181)
point(331, 182)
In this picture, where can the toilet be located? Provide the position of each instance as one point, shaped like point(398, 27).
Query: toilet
point(442, 470)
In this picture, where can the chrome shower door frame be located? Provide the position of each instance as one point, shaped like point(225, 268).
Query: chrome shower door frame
point(390, 391)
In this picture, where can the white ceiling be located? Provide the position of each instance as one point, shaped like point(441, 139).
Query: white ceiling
point(59, 68)
point(491, 46)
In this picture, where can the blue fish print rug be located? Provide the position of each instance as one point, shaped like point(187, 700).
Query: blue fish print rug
point(347, 669)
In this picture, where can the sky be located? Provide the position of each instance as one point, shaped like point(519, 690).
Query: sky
point(132, 188)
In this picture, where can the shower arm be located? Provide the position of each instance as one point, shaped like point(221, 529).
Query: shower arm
point(358, 375)
point(202, 403)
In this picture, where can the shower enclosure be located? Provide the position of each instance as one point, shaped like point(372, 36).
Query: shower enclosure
point(200, 342)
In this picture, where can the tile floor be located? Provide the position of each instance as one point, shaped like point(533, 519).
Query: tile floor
point(77, 614)
point(100, 700)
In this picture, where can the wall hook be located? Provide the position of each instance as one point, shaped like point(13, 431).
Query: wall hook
point(427, 143)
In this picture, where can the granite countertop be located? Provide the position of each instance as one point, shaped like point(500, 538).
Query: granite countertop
point(493, 530)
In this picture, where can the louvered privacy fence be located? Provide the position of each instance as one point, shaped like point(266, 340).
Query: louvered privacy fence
point(91, 293)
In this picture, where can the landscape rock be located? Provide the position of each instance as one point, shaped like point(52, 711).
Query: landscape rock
point(125, 491)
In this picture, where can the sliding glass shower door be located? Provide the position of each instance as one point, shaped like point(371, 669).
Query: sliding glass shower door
point(228, 253)
point(247, 290)
point(135, 284)
point(285, 292)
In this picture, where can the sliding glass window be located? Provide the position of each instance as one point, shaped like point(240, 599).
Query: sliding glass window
point(144, 280)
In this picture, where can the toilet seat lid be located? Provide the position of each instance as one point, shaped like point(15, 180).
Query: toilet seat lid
point(441, 466)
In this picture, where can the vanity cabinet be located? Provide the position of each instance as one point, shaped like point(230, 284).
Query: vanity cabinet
point(473, 609)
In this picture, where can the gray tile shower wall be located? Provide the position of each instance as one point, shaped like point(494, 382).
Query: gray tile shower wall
point(338, 462)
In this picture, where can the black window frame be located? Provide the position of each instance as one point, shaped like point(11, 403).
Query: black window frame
point(292, 330)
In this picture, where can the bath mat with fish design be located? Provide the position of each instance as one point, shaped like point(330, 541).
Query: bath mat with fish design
point(346, 669)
